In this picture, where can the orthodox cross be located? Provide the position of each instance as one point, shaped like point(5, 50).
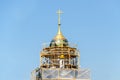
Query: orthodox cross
point(59, 12)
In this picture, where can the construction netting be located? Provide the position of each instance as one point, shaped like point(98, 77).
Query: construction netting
point(63, 74)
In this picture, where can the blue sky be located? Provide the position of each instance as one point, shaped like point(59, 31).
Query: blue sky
point(94, 25)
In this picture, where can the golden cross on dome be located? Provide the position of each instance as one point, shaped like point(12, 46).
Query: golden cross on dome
point(59, 38)
point(59, 12)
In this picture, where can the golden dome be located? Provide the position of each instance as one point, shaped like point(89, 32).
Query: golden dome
point(59, 40)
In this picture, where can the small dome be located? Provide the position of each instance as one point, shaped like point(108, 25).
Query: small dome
point(59, 40)
point(59, 43)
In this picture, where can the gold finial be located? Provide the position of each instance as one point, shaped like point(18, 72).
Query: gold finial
point(59, 12)
point(59, 40)
point(59, 35)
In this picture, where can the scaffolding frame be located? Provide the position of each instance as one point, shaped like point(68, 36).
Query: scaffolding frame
point(50, 56)
point(50, 65)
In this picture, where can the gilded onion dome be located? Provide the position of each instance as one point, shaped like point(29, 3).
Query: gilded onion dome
point(59, 40)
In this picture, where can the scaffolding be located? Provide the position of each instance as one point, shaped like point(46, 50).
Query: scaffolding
point(59, 57)
point(60, 63)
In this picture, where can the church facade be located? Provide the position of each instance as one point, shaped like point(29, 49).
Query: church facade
point(59, 60)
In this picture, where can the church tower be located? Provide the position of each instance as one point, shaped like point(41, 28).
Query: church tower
point(59, 60)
